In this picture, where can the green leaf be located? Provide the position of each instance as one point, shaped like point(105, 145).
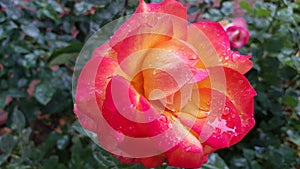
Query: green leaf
point(245, 5)
point(71, 48)
point(62, 142)
point(65, 54)
point(16, 93)
point(274, 44)
point(254, 164)
point(249, 154)
point(52, 162)
point(2, 101)
point(31, 30)
point(63, 58)
point(294, 137)
point(215, 162)
point(51, 13)
point(43, 93)
point(192, 9)
point(290, 100)
point(18, 120)
point(227, 8)
point(285, 14)
point(2, 17)
point(7, 143)
point(81, 7)
point(56, 6)
point(4, 157)
point(213, 14)
point(263, 12)
point(240, 162)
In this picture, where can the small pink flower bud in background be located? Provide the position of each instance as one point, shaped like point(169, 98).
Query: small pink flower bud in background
point(237, 32)
point(3, 117)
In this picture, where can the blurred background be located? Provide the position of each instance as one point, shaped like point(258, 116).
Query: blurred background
point(39, 43)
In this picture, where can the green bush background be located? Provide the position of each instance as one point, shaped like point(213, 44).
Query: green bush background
point(40, 40)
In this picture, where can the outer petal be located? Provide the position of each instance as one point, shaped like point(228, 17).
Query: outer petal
point(240, 93)
point(104, 51)
point(167, 6)
point(98, 68)
point(173, 8)
point(240, 22)
point(227, 129)
point(149, 162)
point(217, 37)
point(187, 154)
point(216, 130)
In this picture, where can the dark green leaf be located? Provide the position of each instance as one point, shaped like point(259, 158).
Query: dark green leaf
point(72, 48)
point(192, 9)
point(16, 93)
point(227, 8)
point(215, 162)
point(7, 143)
point(62, 142)
point(18, 120)
point(31, 30)
point(63, 58)
point(290, 100)
point(249, 154)
point(43, 93)
point(2, 101)
point(4, 157)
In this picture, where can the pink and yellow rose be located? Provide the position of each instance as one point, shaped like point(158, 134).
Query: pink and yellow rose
point(161, 90)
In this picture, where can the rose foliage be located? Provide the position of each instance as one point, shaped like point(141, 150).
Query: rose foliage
point(164, 90)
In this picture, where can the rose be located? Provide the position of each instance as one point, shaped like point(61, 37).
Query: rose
point(162, 90)
point(237, 32)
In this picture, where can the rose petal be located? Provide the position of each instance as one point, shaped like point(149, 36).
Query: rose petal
point(149, 25)
point(99, 69)
point(217, 39)
point(131, 111)
point(240, 93)
point(219, 131)
point(167, 6)
point(227, 129)
point(152, 162)
point(238, 36)
point(239, 22)
point(187, 154)
point(164, 74)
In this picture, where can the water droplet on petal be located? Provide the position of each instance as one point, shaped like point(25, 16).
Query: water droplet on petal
point(226, 111)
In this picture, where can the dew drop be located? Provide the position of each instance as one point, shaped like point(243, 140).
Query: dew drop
point(154, 72)
point(188, 148)
point(193, 57)
point(226, 111)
